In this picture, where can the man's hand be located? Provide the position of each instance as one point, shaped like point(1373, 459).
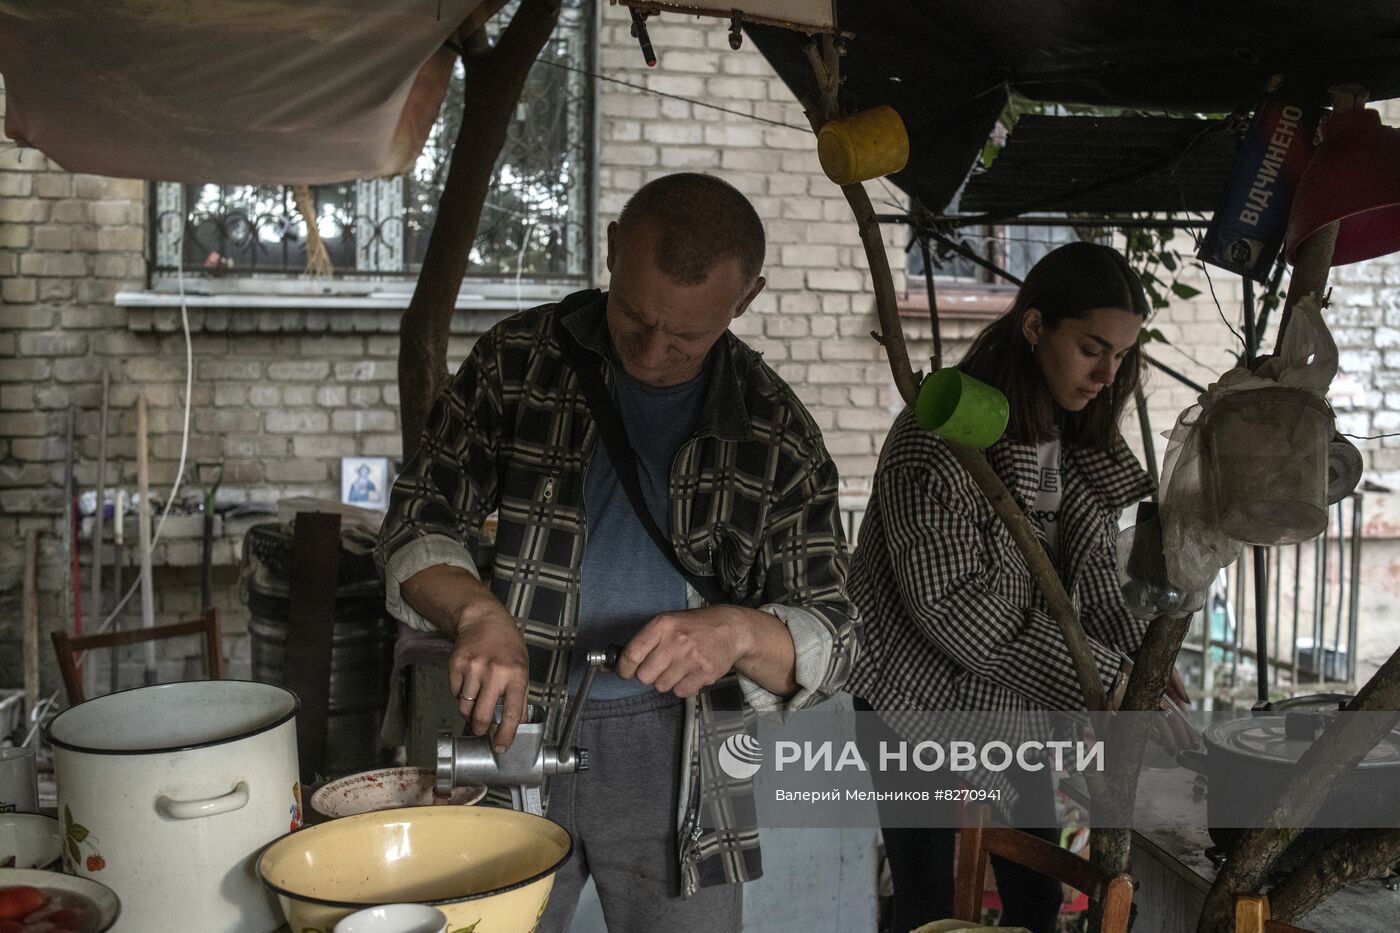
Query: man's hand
point(488, 658)
point(682, 652)
point(489, 664)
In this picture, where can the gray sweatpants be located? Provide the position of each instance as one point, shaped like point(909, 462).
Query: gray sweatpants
point(622, 813)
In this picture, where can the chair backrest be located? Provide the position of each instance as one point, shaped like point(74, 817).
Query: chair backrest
point(67, 646)
point(1252, 916)
point(980, 840)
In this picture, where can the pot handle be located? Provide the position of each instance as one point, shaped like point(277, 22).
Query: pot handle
point(1192, 760)
point(235, 799)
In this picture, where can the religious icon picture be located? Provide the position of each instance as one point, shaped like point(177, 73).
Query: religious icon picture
point(364, 481)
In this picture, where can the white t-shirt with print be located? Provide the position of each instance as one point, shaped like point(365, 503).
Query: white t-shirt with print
point(1049, 489)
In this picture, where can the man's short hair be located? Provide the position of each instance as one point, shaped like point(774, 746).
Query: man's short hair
point(696, 221)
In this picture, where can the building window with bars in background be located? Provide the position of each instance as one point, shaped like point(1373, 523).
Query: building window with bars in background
point(1012, 247)
point(535, 225)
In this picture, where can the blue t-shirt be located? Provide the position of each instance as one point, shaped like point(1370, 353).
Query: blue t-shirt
point(626, 580)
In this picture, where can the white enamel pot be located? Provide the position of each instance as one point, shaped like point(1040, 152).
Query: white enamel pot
point(167, 793)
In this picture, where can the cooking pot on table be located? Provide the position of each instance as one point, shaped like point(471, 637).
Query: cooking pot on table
point(167, 793)
point(1249, 761)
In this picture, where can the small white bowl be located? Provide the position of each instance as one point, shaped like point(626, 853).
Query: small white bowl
point(32, 840)
point(385, 789)
point(101, 896)
point(395, 918)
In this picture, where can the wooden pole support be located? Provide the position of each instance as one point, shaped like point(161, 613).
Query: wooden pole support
point(29, 613)
point(824, 56)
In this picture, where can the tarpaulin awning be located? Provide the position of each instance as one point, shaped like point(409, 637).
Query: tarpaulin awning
point(948, 66)
point(231, 91)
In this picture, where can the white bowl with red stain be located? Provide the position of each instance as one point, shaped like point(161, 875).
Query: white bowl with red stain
point(51, 900)
point(386, 789)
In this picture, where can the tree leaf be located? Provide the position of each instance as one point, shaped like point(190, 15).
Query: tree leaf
point(1169, 261)
point(67, 817)
point(77, 832)
point(73, 853)
point(989, 154)
point(1183, 291)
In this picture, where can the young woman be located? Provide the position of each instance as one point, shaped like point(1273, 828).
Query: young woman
point(952, 618)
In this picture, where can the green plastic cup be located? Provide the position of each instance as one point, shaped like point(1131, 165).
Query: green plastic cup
point(958, 408)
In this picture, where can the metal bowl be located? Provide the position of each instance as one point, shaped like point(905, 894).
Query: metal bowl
point(32, 840)
point(485, 868)
point(386, 789)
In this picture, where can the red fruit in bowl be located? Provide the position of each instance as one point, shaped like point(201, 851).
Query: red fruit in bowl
point(18, 902)
point(96, 863)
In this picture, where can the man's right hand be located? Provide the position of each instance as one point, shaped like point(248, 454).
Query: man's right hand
point(489, 664)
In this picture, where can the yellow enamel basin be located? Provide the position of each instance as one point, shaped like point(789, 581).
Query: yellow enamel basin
point(487, 869)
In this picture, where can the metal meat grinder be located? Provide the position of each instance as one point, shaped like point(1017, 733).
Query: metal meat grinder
point(471, 759)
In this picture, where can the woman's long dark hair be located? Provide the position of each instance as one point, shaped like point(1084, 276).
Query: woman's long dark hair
point(1069, 282)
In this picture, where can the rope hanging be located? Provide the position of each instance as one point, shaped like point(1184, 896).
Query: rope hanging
point(318, 258)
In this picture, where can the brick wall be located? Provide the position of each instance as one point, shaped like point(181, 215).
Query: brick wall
point(280, 395)
point(813, 321)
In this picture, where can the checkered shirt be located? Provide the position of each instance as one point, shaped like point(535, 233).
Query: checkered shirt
point(753, 504)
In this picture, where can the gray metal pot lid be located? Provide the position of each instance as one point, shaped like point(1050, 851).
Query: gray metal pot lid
point(1311, 702)
point(1263, 737)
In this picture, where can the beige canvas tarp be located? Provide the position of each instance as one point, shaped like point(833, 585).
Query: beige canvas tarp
point(232, 91)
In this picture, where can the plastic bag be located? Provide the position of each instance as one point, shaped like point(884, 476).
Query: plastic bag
point(1142, 570)
point(1196, 549)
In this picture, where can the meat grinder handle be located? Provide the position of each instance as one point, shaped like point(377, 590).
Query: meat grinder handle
point(604, 659)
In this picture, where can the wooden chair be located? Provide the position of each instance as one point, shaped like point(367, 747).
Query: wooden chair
point(980, 840)
point(1252, 916)
point(67, 646)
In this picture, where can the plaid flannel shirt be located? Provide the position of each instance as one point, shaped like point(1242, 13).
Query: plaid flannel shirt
point(753, 503)
point(952, 619)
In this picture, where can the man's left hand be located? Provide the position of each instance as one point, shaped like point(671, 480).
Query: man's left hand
point(683, 652)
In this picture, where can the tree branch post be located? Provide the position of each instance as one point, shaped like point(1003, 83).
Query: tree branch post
point(1346, 860)
point(1320, 770)
point(495, 77)
point(1115, 793)
point(822, 107)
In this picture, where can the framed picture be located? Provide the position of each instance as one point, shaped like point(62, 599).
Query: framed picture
point(364, 481)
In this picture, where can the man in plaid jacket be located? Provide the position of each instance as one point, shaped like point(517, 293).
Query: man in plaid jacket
point(734, 471)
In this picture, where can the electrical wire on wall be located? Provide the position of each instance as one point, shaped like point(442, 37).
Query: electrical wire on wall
point(37, 714)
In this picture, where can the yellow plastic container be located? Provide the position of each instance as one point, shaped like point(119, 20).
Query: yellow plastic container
point(863, 146)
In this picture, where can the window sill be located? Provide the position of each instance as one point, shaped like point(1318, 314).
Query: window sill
point(302, 306)
point(300, 293)
point(959, 302)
